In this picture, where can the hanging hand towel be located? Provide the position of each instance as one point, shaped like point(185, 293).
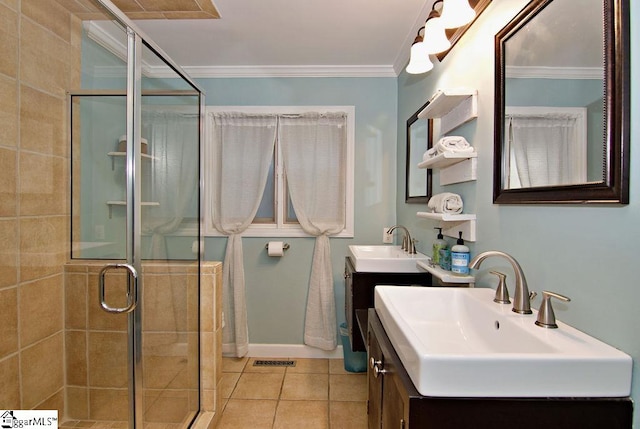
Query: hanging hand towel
point(453, 144)
point(445, 202)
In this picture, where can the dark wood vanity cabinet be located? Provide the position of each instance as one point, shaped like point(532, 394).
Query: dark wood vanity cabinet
point(387, 405)
point(395, 403)
point(359, 295)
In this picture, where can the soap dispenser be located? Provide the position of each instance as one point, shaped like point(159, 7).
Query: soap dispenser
point(460, 257)
point(439, 244)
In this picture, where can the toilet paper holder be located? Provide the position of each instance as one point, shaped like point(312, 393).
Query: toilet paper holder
point(285, 246)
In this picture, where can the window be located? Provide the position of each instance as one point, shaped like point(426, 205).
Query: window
point(276, 216)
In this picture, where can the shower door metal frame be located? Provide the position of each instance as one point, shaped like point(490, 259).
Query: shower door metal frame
point(135, 39)
point(133, 221)
point(133, 259)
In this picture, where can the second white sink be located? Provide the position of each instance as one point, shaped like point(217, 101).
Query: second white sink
point(384, 259)
point(456, 342)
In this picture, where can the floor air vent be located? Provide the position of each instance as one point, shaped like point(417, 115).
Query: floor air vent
point(274, 363)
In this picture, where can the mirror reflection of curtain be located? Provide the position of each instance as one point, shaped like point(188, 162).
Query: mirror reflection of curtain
point(243, 147)
point(314, 149)
point(546, 150)
point(174, 143)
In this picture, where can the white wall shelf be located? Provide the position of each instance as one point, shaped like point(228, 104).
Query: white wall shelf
point(115, 155)
point(447, 217)
point(446, 276)
point(447, 159)
point(453, 107)
point(111, 204)
point(464, 171)
point(451, 224)
point(454, 167)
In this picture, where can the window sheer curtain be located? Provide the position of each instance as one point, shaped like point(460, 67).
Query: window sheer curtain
point(243, 149)
point(546, 150)
point(314, 148)
point(173, 173)
point(173, 142)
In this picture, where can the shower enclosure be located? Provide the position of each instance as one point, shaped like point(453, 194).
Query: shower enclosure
point(135, 127)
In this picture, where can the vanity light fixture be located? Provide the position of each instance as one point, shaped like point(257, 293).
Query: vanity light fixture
point(456, 13)
point(450, 14)
point(435, 38)
point(419, 61)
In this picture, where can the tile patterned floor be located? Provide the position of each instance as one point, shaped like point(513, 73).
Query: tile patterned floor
point(316, 393)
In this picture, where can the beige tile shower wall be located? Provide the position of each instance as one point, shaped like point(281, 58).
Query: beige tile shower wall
point(211, 336)
point(96, 342)
point(39, 61)
point(170, 341)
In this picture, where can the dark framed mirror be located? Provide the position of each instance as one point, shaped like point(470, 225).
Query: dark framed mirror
point(561, 126)
point(419, 140)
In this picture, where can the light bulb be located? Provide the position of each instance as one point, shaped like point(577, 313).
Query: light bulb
point(456, 13)
point(419, 61)
point(435, 38)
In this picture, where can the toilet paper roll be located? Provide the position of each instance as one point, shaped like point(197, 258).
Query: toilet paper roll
point(275, 248)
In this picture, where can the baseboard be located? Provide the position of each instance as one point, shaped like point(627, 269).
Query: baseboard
point(292, 351)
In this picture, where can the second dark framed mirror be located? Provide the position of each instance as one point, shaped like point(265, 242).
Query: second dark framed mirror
point(419, 140)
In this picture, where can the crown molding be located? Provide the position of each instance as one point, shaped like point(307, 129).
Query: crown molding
point(103, 38)
point(404, 52)
point(287, 71)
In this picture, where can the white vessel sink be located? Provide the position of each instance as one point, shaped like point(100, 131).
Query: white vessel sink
point(384, 259)
point(456, 342)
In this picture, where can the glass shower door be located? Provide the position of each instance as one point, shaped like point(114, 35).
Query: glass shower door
point(170, 118)
point(135, 131)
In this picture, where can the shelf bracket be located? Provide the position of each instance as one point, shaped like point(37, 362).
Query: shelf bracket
point(465, 171)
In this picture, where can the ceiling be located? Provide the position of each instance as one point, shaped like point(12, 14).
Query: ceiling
point(290, 38)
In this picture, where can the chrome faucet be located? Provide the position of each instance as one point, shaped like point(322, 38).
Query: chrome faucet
point(546, 316)
point(408, 244)
point(522, 298)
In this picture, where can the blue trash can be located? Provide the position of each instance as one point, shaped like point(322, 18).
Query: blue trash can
point(353, 361)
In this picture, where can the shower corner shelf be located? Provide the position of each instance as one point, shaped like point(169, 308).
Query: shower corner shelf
point(119, 203)
point(115, 155)
point(453, 223)
point(446, 276)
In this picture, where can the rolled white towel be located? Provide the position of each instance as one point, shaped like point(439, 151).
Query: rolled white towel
point(429, 154)
point(453, 144)
point(446, 202)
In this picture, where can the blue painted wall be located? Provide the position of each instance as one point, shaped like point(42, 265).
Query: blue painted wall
point(586, 253)
point(276, 288)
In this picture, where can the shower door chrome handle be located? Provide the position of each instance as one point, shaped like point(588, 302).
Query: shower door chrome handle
point(132, 288)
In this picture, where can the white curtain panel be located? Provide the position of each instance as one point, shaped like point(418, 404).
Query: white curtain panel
point(242, 152)
point(173, 142)
point(314, 152)
point(544, 149)
point(171, 179)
